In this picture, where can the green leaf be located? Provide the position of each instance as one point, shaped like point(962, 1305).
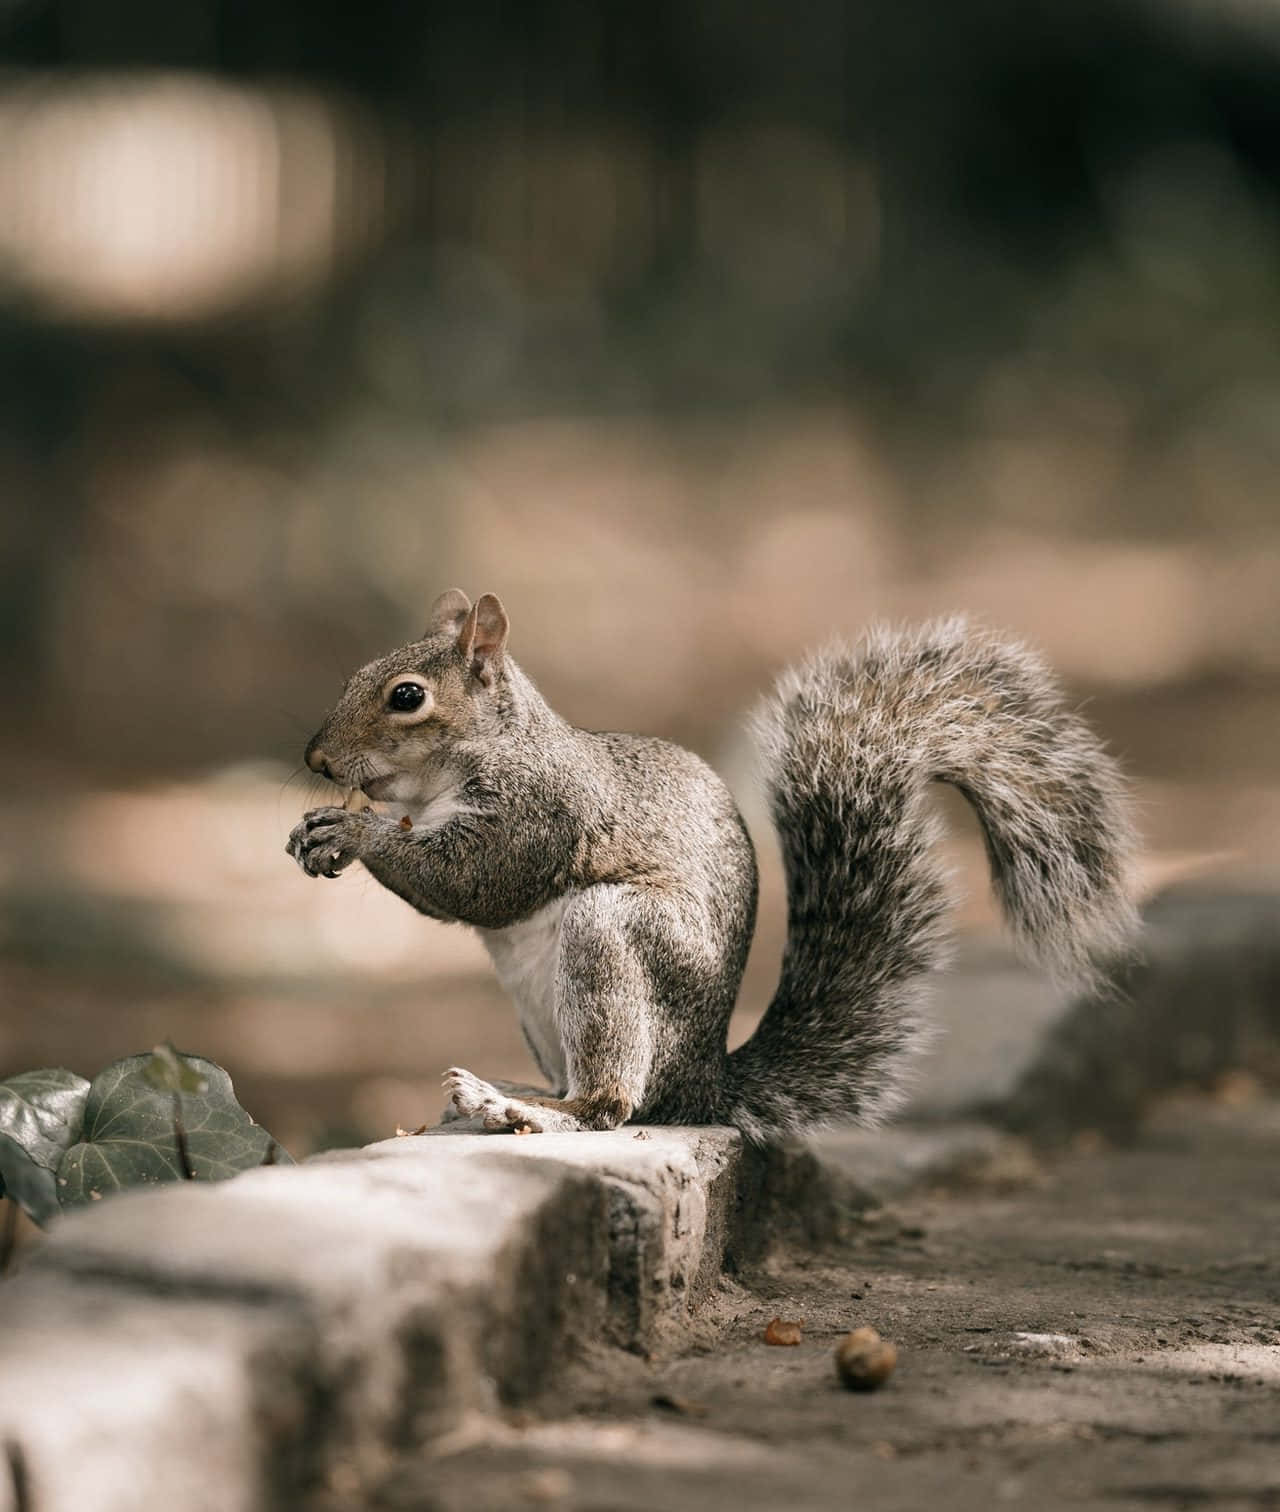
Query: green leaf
point(128, 1135)
point(41, 1116)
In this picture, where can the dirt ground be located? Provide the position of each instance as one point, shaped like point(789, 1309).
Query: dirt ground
point(1108, 1335)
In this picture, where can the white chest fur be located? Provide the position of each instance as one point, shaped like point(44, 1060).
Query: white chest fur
point(436, 811)
point(428, 804)
point(526, 956)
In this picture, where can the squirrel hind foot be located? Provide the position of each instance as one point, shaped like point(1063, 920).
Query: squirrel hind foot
point(500, 1113)
point(539, 1115)
point(475, 1098)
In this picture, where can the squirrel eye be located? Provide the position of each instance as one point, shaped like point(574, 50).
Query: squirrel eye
point(406, 697)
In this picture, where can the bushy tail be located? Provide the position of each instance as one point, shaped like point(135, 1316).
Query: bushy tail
point(849, 743)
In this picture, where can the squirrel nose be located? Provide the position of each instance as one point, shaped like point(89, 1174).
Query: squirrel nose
point(317, 760)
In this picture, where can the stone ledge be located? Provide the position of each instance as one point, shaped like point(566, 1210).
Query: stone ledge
point(1024, 1056)
point(117, 1401)
point(225, 1346)
point(222, 1346)
point(1204, 999)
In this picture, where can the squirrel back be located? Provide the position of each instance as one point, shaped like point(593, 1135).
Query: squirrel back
point(849, 743)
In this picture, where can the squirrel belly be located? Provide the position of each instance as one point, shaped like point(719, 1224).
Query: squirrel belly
point(849, 743)
point(614, 884)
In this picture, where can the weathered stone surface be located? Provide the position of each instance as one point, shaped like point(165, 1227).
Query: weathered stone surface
point(411, 1284)
point(873, 1166)
point(1204, 998)
point(666, 1193)
point(410, 1271)
point(125, 1402)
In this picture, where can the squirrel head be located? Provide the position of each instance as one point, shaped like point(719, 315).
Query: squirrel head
point(399, 717)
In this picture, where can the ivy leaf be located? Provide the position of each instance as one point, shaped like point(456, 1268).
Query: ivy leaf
point(128, 1135)
point(41, 1113)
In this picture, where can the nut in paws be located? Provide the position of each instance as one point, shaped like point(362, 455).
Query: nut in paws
point(327, 841)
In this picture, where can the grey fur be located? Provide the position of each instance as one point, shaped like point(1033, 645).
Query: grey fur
point(632, 850)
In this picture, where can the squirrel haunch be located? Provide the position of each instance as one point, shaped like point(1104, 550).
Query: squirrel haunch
point(613, 882)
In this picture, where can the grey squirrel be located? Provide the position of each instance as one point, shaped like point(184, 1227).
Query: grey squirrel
point(613, 881)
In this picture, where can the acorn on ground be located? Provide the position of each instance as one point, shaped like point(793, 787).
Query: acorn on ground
point(864, 1360)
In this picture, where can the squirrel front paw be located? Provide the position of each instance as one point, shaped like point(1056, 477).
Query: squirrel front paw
point(327, 840)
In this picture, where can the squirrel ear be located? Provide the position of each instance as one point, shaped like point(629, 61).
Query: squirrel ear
point(483, 638)
point(448, 612)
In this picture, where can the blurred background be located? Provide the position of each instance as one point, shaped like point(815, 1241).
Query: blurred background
point(698, 331)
